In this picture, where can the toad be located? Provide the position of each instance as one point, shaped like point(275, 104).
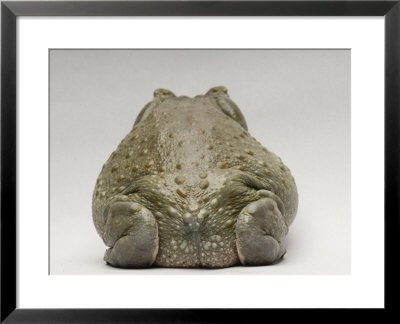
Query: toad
point(189, 187)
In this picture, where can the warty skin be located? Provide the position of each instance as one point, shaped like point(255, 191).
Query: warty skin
point(189, 187)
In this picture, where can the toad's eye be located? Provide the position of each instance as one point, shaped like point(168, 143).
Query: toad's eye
point(159, 96)
point(220, 90)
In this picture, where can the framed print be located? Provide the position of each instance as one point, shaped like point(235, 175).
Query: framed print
point(316, 82)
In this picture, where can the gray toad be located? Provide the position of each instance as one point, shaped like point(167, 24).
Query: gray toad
point(189, 187)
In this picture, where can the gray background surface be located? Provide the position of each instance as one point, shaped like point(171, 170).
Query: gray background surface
point(296, 103)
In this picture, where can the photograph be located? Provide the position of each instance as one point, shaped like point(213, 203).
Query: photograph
point(199, 161)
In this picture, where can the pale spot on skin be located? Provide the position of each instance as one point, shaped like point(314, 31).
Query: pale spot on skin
point(203, 184)
point(181, 192)
point(193, 206)
point(180, 179)
point(203, 175)
point(183, 245)
point(252, 208)
point(214, 202)
point(134, 207)
point(207, 246)
point(203, 213)
point(187, 218)
point(172, 211)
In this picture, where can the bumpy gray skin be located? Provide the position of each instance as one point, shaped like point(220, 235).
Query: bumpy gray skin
point(189, 187)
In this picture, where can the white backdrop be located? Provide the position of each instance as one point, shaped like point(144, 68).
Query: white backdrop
point(296, 102)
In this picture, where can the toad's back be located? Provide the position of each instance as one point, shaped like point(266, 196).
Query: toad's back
point(193, 167)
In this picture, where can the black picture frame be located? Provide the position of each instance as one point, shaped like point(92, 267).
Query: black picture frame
point(10, 10)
